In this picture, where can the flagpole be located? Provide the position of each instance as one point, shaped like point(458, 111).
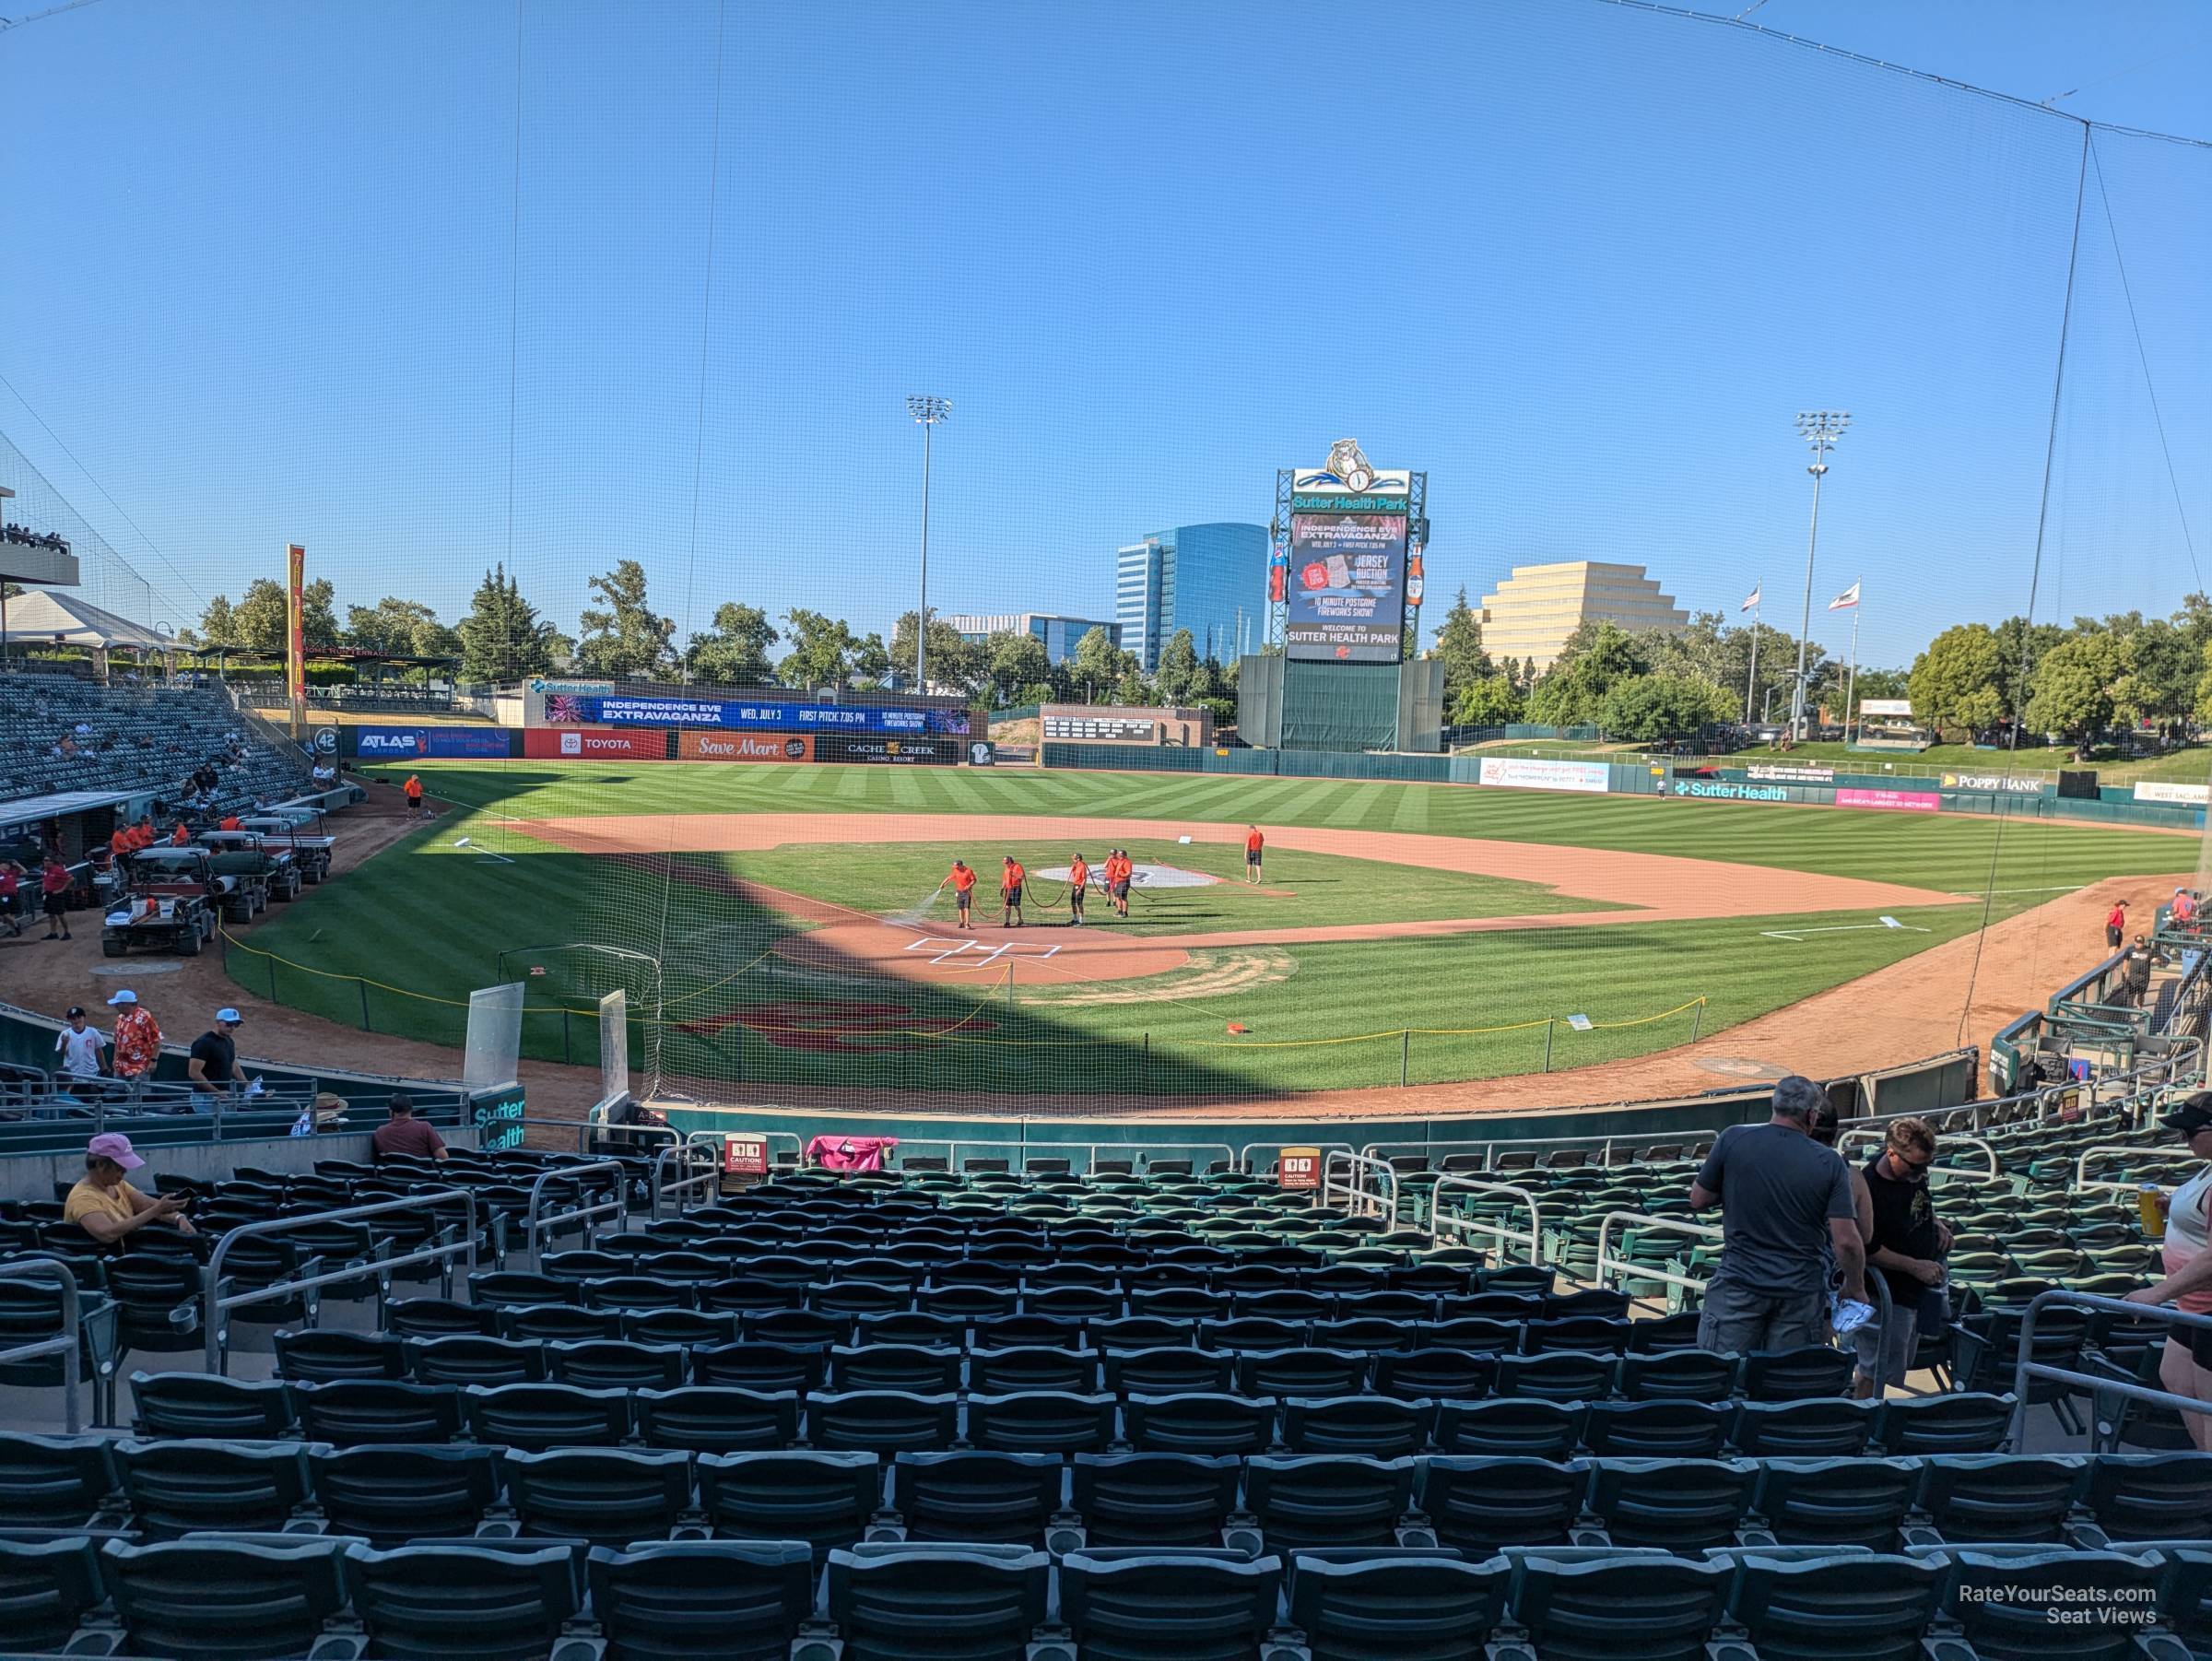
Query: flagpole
point(1852, 679)
point(1751, 681)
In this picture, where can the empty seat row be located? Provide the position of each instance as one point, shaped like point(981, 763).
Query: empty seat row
point(385, 1491)
point(780, 1413)
point(218, 1598)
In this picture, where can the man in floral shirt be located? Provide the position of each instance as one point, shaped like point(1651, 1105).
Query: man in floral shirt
point(137, 1043)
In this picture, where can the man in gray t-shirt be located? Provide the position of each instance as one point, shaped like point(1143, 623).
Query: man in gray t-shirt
point(1786, 1203)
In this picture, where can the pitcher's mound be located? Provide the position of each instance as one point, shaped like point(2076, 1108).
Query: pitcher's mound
point(1143, 877)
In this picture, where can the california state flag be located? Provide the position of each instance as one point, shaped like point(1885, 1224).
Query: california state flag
point(1846, 600)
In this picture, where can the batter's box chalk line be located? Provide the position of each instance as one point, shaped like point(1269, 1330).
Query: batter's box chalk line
point(947, 950)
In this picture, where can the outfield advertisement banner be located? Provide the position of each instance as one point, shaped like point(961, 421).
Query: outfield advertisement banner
point(430, 743)
point(1722, 790)
point(1518, 773)
point(744, 747)
point(563, 710)
point(2007, 784)
point(910, 753)
point(2180, 795)
point(1771, 772)
point(1895, 801)
point(593, 744)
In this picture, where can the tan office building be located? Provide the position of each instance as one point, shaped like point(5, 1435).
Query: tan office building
point(1537, 606)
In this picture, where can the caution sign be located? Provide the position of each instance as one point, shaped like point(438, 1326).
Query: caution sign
point(744, 1153)
point(1299, 1168)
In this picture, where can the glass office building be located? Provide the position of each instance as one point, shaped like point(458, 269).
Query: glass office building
point(1210, 579)
point(1060, 634)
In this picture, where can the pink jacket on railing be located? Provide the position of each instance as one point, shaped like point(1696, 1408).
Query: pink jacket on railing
point(849, 1153)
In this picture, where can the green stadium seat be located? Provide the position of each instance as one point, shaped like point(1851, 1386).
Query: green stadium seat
point(390, 1494)
point(716, 1419)
point(1657, 1430)
point(824, 1499)
point(1477, 1505)
point(1676, 1375)
point(1965, 1423)
point(515, 1288)
point(1396, 1606)
point(536, 1417)
point(684, 1326)
point(218, 1600)
point(462, 1603)
point(175, 1488)
point(761, 1366)
point(609, 1496)
point(1327, 1500)
point(1198, 1422)
point(1801, 1374)
point(1142, 1603)
point(1833, 1502)
point(1169, 1371)
point(1563, 1376)
point(1678, 1504)
point(902, 1367)
point(1435, 1374)
point(1837, 1608)
point(2150, 1496)
point(351, 1412)
point(560, 1324)
point(882, 1421)
point(2003, 1499)
point(327, 1353)
point(616, 1365)
point(438, 1318)
point(2023, 1605)
point(1001, 1499)
point(738, 1600)
point(46, 1589)
point(1375, 1427)
point(1618, 1608)
point(1819, 1429)
point(1301, 1371)
point(62, 1483)
point(463, 1359)
point(923, 1602)
point(1510, 1428)
point(1154, 1499)
point(1042, 1421)
point(206, 1405)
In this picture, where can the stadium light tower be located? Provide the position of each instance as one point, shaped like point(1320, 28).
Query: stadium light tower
point(1820, 429)
point(928, 411)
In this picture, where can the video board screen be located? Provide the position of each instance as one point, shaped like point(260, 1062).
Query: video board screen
point(1347, 583)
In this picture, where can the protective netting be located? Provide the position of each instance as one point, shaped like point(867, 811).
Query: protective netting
point(627, 415)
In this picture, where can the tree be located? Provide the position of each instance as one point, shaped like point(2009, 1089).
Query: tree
point(1955, 682)
point(218, 625)
point(1459, 644)
point(1095, 661)
point(871, 662)
point(502, 637)
point(622, 637)
point(1572, 692)
point(1018, 662)
point(319, 613)
point(954, 661)
point(2016, 636)
point(2204, 688)
point(822, 652)
point(1178, 667)
point(1648, 707)
point(2072, 690)
point(1488, 701)
point(733, 651)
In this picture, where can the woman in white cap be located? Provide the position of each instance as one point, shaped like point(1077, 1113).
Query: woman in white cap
point(106, 1206)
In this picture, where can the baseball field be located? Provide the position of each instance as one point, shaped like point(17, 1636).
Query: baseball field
point(792, 928)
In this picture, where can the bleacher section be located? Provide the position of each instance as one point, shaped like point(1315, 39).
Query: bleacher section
point(1137, 1411)
point(155, 737)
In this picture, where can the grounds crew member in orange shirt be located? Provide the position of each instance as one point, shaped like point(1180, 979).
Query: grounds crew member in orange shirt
point(1118, 870)
point(1078, 879)
point(1253, 843)
point(414, 789)
point(229, 822)
point(180, 836)
point(963, 892)
point(1009, 893)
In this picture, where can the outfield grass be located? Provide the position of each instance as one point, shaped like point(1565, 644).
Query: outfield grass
point(902, 879)
point(430, 917)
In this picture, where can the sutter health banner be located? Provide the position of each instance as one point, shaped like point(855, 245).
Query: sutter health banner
point(743, 747)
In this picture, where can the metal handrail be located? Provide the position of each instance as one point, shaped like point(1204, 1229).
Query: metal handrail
point(1973, 1179)
point(1355, 1186)
point(1672, 1225)
point(1490, 1150)
point(2081, 1165)
point(1856, 1130)
point(213, 1304)
point(2027, 1367)
point(1438, 1217)
point(706, 1175)
point(65, 1343)
point(534, 1218)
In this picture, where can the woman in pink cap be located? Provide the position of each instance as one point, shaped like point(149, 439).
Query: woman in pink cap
point(107, 1208)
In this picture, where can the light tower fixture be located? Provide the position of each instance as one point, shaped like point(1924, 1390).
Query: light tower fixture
point(1820, 429)
point(927, 410)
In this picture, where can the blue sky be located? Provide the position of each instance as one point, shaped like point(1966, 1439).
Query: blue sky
point(1583, 263)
